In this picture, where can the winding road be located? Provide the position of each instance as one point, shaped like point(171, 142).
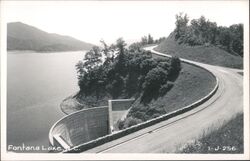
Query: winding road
point(167, 136)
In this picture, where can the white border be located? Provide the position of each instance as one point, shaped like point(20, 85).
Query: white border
point(246, 97)
point(82, 156)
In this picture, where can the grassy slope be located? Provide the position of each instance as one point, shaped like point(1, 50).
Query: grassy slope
point(227, 139)
point(192, 84)
point(210, 55)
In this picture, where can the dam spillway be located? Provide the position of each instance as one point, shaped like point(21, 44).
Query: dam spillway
point(88, 124)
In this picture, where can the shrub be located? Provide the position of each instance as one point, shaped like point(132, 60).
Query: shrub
point(165, 88)
point(153, 81)
point(120, 124)
point(175, 68)
point(146, 65)
point(130, 121)
point(140, 115)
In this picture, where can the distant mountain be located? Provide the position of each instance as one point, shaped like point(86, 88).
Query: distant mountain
point(21, 36)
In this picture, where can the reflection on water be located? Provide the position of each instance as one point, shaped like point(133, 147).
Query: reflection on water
point(36, 84)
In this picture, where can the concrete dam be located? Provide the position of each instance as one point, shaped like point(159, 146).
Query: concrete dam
point(88, 124)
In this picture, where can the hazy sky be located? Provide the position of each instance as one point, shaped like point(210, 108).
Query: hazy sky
point(109, 20)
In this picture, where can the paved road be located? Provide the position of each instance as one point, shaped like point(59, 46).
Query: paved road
point(171, 134)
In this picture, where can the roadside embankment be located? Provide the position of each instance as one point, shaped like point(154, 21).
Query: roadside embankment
point(121, 133)
point(206, 54)
point(173, 113)
point(228, 138)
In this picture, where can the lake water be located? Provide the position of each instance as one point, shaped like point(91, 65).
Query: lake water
point(36, 85)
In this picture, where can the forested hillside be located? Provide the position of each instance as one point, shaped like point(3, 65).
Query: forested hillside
point(203, 32)
point(204, 41)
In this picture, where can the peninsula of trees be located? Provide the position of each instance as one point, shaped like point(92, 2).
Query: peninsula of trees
point(123, 73)
point(118, 72)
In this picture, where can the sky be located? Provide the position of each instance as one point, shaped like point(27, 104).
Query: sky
point(108, 20)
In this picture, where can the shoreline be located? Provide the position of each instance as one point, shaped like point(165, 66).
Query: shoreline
point(40, 52)
point(70, 104)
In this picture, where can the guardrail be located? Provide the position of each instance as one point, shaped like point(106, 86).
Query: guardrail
point(119, 134)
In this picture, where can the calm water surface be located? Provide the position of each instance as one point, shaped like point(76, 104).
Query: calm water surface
point(36, 85)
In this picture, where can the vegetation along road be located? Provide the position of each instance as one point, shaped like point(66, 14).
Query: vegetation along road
point(168, 135)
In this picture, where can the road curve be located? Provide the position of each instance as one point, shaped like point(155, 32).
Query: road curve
point(168, 135)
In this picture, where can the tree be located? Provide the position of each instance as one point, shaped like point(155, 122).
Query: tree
point(116, 86)
point(175, 68)
point(131, 83)
point(154, 79)
point(181, 24)
point(135, 47)
point(80, 68)
point(161, 39)
point(108, 52)
point(105, 50)
point(120, 44)
point(150, 39)
point(212, 32)
point(146, 65)
point(120, 65)
point(144, 40)
point(92, 58)
point(237, 45)
point(225, 38)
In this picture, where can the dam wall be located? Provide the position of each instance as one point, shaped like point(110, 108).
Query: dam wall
point(80, 127)
point(88, 124)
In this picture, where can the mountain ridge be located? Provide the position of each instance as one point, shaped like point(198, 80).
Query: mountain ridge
point(21, 36)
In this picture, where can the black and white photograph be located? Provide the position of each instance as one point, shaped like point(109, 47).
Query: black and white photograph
point(124, 80)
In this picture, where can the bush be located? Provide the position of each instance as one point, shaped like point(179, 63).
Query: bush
point(130, 121)
point(120, 124)
point(175, 68)
point(146, 65)
point(153, 81)
point(165, 88)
